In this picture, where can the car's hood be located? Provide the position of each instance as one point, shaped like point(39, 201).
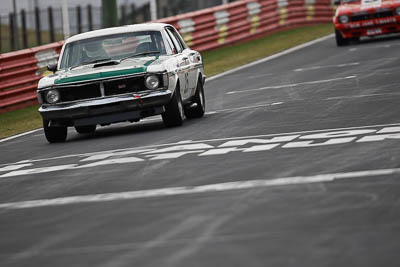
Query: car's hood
point(89, 72)
point(366, 5)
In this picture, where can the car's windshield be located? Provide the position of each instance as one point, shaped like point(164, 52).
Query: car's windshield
point(349, 1)
point(112, 47)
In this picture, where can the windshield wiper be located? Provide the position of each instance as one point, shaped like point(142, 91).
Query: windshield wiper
point(140, 54)
point(91, 62)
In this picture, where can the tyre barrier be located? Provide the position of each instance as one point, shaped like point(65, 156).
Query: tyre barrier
point(202, 30)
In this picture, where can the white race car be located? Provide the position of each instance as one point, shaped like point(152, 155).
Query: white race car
point(121, 74)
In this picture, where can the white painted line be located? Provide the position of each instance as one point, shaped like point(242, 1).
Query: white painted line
point(292, 85)
point(374, 47)
point(243, 108)
point(283, 53)
point(15, 167)
point(202, 141)
point(187, 190)
point(328, 66)
point(360, 96)
point(18, 135)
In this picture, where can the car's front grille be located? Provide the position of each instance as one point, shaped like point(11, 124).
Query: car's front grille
point(74, 93)
point(383, 14)
point(94, 90)
point(123, 86)
point(376, 15)
point(360, 17)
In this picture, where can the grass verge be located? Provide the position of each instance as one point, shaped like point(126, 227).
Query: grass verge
point(19, 121)
point(215, 61)
point(226, 58)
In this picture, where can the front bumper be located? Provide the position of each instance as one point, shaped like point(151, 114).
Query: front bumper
point(369, 27)
point(128, 107)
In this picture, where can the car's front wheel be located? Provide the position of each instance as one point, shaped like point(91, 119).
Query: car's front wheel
point(174, 114)
point(340, 41)
point(54, 134)
point(199, 100)
point(85, 129)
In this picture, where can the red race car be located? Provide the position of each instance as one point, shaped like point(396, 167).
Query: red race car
point(356, 18)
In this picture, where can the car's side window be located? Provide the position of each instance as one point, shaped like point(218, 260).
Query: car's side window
point(177, 44)
point(169, 41)
point(179, 38)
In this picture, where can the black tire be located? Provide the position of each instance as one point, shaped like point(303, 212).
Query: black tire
point(199, 99)
point(174, 114)
point(340, 41)
point(355, 39)
point(54, 134)
point(86, 129)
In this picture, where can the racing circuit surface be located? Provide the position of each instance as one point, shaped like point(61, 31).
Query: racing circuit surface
point(297, 163)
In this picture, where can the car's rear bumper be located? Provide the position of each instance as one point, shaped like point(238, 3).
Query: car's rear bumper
point(107, 110)
point(369, 27)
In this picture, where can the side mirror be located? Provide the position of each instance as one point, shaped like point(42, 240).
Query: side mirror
point(336, 2)
point(52, 67)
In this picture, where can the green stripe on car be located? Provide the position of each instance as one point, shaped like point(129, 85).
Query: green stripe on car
point(108, 74)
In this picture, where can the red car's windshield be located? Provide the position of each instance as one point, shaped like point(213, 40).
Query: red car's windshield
point(349, 1)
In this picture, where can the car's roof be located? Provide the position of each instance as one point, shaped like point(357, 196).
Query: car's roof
point(117, 30)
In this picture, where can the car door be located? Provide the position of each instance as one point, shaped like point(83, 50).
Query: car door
point(193, 69)
point(183, 64)
point(193, 62)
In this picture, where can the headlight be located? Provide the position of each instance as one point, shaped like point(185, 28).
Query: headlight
point(343, 19)
point(52, 96)
point(397, 11)
point(152, 82)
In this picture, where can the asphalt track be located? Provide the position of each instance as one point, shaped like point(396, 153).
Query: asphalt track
point(295, 164)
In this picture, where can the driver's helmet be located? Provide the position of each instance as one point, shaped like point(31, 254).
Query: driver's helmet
point(94, 49)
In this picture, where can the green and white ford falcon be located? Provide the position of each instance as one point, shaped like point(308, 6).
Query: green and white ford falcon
point(121, 74)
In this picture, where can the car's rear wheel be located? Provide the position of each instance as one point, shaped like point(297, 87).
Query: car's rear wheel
point(174, 114)
point(85, 129)
point(199, 99)
point(54, 134)
point(340, 41)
